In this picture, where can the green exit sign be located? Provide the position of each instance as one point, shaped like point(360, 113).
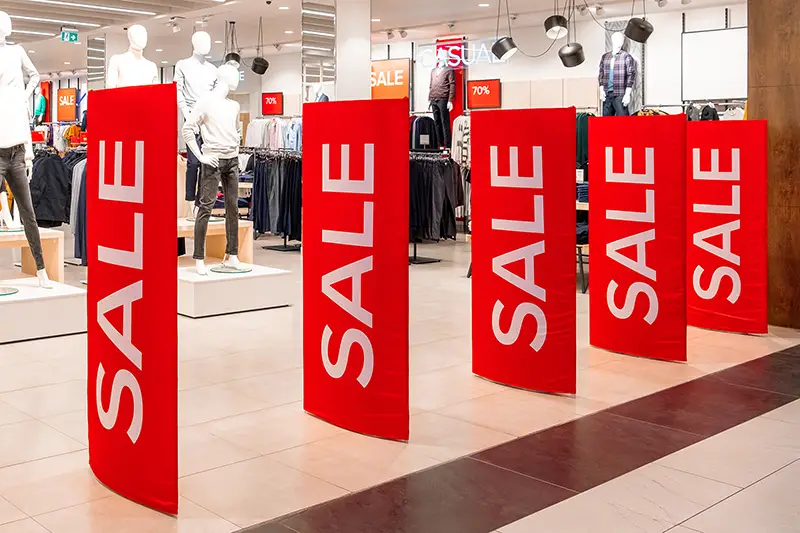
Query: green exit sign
point(69, 36)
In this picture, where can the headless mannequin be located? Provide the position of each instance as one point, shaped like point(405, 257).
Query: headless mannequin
point(131, 68)
point(217, 116)
point(617, 42)
point(442, 92)
point(195, 78)
point(16, 155)
point(319, 95)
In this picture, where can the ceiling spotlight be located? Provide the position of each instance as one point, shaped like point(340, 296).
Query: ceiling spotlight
point(662, 3)
point(556, 26)
point(571, 54)
point(403, 34)
point(390, 34)
point(686, 2)
point(583, 10)
point(175, 28)
point(638, 30)
point(600, 10)
point(504, 48)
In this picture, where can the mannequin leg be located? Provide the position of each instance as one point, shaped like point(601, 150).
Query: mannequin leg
point(437, 119)
point(230, 187)
point(192, 174)
point(209, 180)
point(12, 165)
point(619, 109)
point(608, 107)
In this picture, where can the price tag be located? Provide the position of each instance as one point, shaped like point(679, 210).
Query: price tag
point(579, 175)
point(425, 140)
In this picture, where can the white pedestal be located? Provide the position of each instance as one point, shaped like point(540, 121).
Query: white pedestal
point(35, 313)
point(221, 294)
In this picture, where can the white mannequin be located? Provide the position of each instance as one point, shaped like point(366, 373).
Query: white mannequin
point(319, 94)
point(37, 100)
point(131, 68)
point(223, 124)
point(14, 111)
point(617, 42)
point(441, 62)
point(195, 78)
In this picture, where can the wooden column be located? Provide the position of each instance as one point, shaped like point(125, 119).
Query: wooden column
point(774, 94)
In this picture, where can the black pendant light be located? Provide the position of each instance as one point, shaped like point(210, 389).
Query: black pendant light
point(639, 29)
point(556, 26)
point(231, 46)
point(572, 54)
point(504, 48)
point(260, 65)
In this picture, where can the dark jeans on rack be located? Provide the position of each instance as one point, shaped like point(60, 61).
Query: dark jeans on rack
point(12, 168)
point(612, 107)
point(210, 177)
point(441, 115)
point(192, 173)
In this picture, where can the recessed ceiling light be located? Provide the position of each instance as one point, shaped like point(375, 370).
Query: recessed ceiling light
point(483, 5)
point(283, 8)
point(31, 51)
point(217, 42)
point(28, 32)
point(288, 32)
point(376, 20)
point(159, 49)
point(164, 62)
point(67, 63)
point(55, 21)
point(89, 6)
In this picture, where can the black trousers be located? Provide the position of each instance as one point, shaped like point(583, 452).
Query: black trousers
point(210, 178)
point(612, 107)
point(441, 115)
point(192, 173)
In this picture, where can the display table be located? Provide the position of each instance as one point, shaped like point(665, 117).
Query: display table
point(220, 294)
point(216, 240)
point(52, 250)
point(36, 313)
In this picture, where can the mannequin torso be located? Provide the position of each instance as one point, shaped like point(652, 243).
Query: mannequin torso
point(14, 94)
point(130, 69)
point(195, 78)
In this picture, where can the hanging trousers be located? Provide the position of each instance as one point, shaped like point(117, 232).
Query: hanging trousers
point(210, 177)
point(441, 115)
point(12, 168)
point(192, 172)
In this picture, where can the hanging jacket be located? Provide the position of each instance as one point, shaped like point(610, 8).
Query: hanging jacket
point(50, 191)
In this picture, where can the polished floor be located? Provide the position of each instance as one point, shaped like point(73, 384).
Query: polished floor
point(478, 458)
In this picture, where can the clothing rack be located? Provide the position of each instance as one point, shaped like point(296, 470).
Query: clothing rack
point(281, 153)
point(422, 155)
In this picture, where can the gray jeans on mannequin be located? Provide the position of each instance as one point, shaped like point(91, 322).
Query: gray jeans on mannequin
point(210, 177)
point(12, 168)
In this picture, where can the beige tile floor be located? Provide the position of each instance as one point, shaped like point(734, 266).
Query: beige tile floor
point(248, 453)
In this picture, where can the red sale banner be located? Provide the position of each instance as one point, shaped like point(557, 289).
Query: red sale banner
point(637, 263)
point(727, 225)
point(523, 252)
point(271, 104)
point(484, 94)
point(132, 298)
point(355, 265)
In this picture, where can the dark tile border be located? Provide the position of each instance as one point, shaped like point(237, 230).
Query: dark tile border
point(491, 489)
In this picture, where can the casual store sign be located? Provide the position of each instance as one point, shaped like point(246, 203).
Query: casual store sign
point(523, 295)
point(271, 104)
point(462, 57)
point(132, 299)
point(483, 94)
point(355, 265)
point(390, 79)
point(727, 226)
point(638, 220)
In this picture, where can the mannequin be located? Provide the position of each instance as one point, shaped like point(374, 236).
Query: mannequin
point(15, 136)
point(617, 77)
point(40, 106)
point(217, 118)
point(195, 78)
point(319, 95)
point(131, 68)
point(441, 95)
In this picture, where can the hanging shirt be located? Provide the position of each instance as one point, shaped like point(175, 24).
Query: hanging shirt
point(14, 119)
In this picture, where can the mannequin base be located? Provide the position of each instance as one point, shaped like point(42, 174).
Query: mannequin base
point(19, 312)
point(239, 292)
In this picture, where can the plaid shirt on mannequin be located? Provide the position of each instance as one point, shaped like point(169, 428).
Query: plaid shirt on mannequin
point(624, 72)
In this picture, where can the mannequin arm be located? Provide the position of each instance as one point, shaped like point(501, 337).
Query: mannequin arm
point(630, 73)
point(180, 82)
point(33, 74)
point(626, 100)
point(112, 79)
point(191, 125)
point(603, 94)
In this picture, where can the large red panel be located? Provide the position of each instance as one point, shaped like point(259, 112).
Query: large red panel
point(523, 252)
point(355, 265)
point(637, 222)
point(727, 225)
point(131, 193)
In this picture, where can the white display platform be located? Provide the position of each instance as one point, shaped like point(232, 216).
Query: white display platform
point(221, 294)
point(35, 313)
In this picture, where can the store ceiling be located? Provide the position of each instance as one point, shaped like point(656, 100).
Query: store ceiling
point(423, 19)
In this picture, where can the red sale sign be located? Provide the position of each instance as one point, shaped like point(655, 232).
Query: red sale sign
point(483, 94)
point(727, 225)
point(523, 252)
point(355, 265)
point(638, 218)
point(271, 104)
point(132, 298)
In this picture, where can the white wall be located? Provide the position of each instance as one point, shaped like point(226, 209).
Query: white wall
point(285, 75)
